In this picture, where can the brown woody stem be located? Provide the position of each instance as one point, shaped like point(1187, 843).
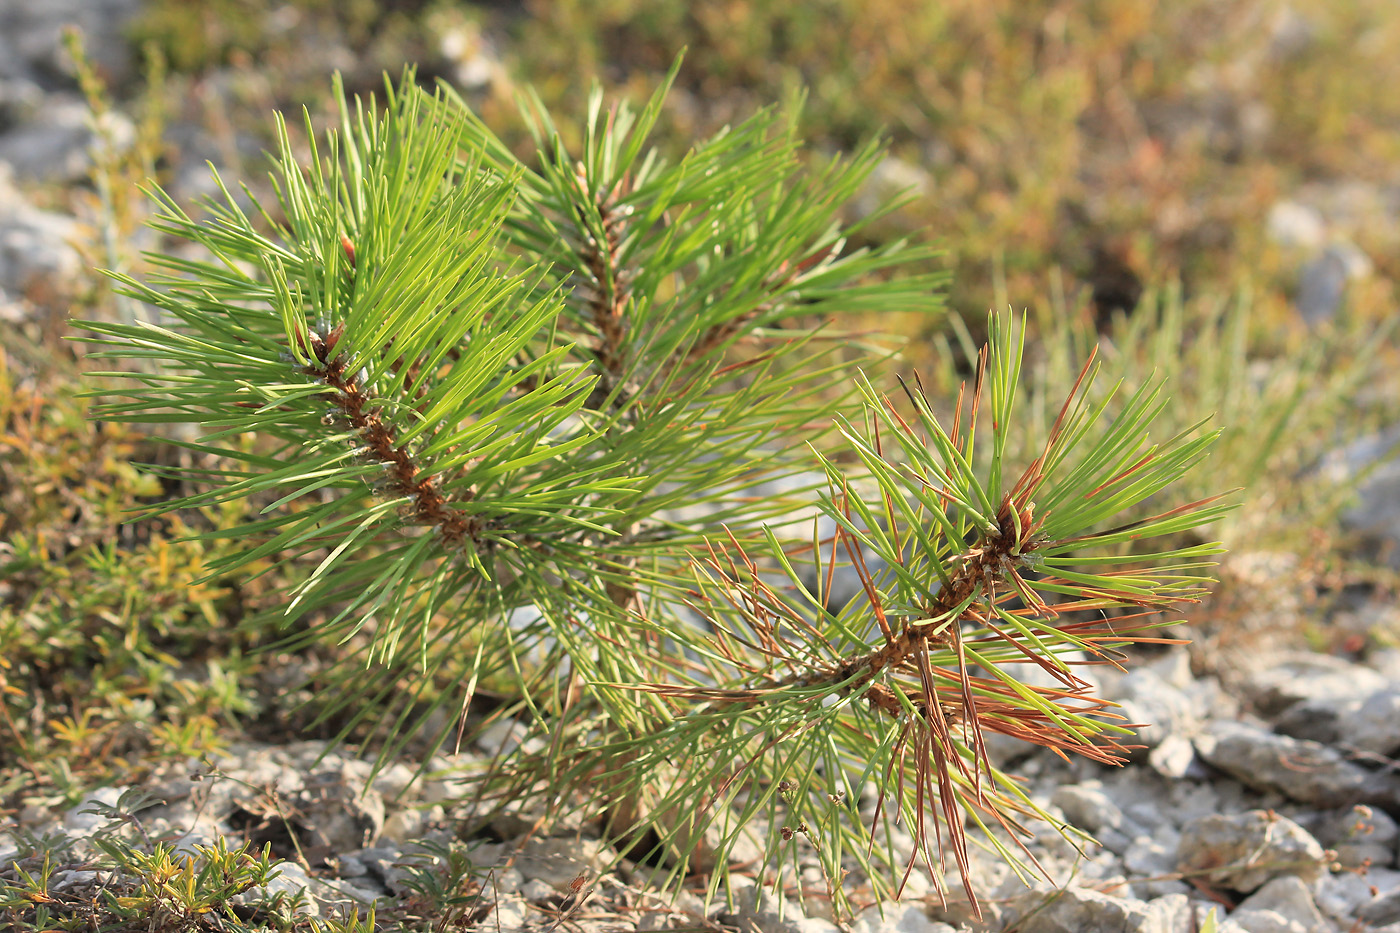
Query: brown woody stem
point(431, 506)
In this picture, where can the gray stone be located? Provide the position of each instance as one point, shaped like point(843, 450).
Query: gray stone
point(687, 904)
point(823, 925)
point(701, 841)
point(1145, 806)
point(514, 819)
point(988, 872)
point(291, 881)
point(396, 783)
point(36, 251)
point(20, 98)
point(1087, 807)
point(1360, 856)
point(502, 737)
point(539, 892)
point(1175, 757)
point(1291, 35)
point(1151, 865)
point(361, 892)
point(1212, 700)
point(300, 756)
point(1189, 800)
point(34, 817)
point(958, 912)
point(1296, 226)
point(53, 148)
point(892, 178)
point(1342, 895)
point(351, 866)
point(1375, 517)
point(1169, 913)
point(1369, 724)
point(815, 900)
point(404, 826)
point(168, 788)
point(338, 809)
point(1308, 772)
point(661, 920)
point(202, 154)
point(1174, 667)
point(1244, 850)
point(388, 866)
point(1105, 869)
point(1283, 905)
point(898, 917)
point(1382, 911)
point(559, 861)
point(1374, 725)
point(757, 907)
point(190, 842)
point(487, 854)
point(80, 818)
point(67, 880)
point(1113, 840)
point(1322, 282)
point(34, 36)
point(510, 914)
point(443, 786)
point(1152, 856)
point(254, 780)
point(1158, 888)
point(1076, 909)
point(1387, 660)
point(506, 879)
point(1316, 719)
point(792, 504)
point(1150, 817)
point(1294, 677)
point(1360, 836)
point(1261, 921)
point(1148, 698)
point(1065, 844)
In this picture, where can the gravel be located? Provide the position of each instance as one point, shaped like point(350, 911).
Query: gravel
point(1170, 849)
point(1242, 851)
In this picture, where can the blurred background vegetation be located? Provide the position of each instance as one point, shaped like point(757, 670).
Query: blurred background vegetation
point(1212, 187)
point(1142, 138)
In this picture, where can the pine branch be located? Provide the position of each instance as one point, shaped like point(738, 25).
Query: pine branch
point(606, 292)
point(378, 443)
point(954, 612)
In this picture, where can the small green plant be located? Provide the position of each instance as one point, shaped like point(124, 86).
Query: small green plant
point(115, 637)
point(522, 419)
point(136, 883)
point(179, 890)
point(444, 890)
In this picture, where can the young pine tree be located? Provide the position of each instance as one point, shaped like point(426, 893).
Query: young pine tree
point(521, 420)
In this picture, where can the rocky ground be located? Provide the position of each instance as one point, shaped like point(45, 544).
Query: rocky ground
point(1267, 787)
point(1271, 802)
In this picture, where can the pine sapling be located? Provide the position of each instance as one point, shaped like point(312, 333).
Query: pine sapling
point(523, 422)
